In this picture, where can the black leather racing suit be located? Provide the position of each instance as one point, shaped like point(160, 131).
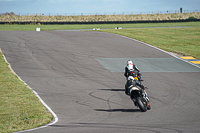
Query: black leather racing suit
point(136, 71)
point(127, 74)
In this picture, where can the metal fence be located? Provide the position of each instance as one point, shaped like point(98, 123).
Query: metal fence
point(107, 13)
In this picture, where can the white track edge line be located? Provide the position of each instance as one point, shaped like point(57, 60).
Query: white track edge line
point(50, 110)
point(159, 49)
point(45, 105)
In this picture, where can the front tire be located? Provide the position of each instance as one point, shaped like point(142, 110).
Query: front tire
point(141, 104)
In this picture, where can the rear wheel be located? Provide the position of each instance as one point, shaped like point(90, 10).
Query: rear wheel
point(141, 104)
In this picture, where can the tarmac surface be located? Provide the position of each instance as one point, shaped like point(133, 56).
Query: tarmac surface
point(80, 76)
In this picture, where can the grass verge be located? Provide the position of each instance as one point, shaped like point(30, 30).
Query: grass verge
point(20, 109)
point(89, 26)
point(185, 41)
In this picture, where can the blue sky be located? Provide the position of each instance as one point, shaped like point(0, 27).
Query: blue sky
point(95, 6)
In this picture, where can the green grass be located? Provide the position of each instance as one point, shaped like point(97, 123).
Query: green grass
point(185, 41)
point(20, 109)
point(88, 26)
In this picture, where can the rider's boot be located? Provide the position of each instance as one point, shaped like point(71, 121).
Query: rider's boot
point(148, 106)
point(126, 90)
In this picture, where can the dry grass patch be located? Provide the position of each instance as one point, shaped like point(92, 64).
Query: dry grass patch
point(96, 18)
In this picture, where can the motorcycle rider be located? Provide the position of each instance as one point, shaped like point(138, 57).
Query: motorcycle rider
point(132, 70)
point(131, 83)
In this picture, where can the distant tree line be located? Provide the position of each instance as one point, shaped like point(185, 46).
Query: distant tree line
point(8, 13)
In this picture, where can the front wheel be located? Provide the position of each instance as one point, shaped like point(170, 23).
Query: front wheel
point(142, 104)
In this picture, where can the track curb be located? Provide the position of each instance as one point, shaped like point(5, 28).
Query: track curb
point(170, 53)
point(55, 119)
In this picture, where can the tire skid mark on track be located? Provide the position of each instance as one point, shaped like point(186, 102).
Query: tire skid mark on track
point(106, 100)
point(102, 90)
point(137, 128)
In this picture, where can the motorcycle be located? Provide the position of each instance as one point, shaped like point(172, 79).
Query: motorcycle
point(137, 94)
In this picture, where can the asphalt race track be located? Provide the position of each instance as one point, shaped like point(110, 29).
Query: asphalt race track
point(80, 76)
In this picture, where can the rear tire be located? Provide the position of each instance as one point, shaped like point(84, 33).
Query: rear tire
point(141, 104)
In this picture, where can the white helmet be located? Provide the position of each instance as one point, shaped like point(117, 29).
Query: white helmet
point(129, 64)
point(130, 77)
